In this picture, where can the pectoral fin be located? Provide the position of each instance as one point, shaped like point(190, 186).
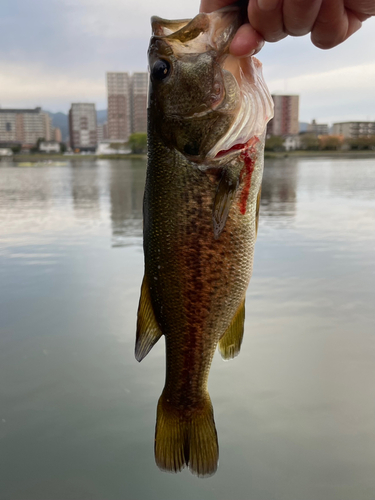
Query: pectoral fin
point(226, 191)
point(230, 342)
point(148, 330)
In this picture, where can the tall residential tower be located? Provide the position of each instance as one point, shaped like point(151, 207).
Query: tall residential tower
point(119, 112)
point(82, 126)
point(286, 119)
point(139, 84)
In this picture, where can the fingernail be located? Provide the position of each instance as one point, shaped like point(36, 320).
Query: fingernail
point(267, 4)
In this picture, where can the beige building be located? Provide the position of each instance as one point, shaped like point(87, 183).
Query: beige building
point(119, 112)
point(353, 130)
point(24, 126)
point(57, 136)
point(286, 117)
point(82, 126)
point(317, 128)
point(139, 85)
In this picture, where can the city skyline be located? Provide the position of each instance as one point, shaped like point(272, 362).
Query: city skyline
point(63, 54)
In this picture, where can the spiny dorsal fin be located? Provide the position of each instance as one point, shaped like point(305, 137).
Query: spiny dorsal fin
point(257, 211)
point(230, 342)
point(148, 330)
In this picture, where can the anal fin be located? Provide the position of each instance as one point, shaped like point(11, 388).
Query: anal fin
point(148, 329)
point(230, 342)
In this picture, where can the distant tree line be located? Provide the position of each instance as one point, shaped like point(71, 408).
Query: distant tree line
point(312, 142)
point(138, 142)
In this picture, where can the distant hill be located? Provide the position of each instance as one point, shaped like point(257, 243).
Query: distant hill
point(303, 126)
point(60, 120)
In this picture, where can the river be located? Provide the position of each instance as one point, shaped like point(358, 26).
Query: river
point(295, 411)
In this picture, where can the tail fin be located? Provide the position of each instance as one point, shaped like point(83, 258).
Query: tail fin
point(182, 440)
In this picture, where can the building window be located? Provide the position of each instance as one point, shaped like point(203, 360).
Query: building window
point(8, 127)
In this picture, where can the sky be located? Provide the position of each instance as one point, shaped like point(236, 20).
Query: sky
point(55, 52)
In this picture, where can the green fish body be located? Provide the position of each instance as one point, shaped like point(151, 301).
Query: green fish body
point(201, 207)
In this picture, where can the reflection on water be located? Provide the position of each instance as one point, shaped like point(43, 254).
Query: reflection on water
point(85, 190)
point(279, 189)
point(295, 411)
point(126, 191)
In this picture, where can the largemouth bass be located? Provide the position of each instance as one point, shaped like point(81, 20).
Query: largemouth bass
point(207, 117)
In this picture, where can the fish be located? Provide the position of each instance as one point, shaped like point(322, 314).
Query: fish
point(207, 118)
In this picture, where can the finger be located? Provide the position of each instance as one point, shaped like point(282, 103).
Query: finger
point(363, 8)
point(266, 18)
point(211, 5)
point(332, 25)
point(300, 15)
point(353, 23)
point(247, 42)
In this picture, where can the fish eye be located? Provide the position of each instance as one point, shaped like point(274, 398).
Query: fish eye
point(161, 69)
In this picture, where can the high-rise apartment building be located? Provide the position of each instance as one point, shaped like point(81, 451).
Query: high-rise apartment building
point(24, 126)
point(353, 130)
point(119, 112)
point(82, 126)
point(285, 120)
point(139, 84)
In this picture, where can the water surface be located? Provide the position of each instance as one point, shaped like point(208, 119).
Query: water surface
point(295, 412)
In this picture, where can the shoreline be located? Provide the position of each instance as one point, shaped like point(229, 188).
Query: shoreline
point(37, 158)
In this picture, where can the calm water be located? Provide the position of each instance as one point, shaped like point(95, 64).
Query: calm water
point(295, 412)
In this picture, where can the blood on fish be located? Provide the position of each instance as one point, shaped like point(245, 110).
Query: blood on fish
point(248, 158)
point(247, 172)
point(233, 148)
point(249, 144)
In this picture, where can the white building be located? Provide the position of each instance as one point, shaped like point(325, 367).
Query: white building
point(292, 142)
point(49, 147)
point(82, 126)
point(104, 148)
point(6, 152)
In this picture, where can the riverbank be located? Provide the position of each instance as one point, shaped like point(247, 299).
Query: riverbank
point(41, 158)
point(320, 154)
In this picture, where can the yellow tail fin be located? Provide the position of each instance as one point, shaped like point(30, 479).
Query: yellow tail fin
point(186, 439)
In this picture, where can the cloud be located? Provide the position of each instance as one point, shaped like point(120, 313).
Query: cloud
point(52, 91)
point(55, 52)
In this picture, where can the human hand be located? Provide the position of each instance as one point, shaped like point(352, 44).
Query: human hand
point(330, 22)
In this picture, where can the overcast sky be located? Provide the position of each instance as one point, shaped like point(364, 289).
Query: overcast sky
point(54, 52)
